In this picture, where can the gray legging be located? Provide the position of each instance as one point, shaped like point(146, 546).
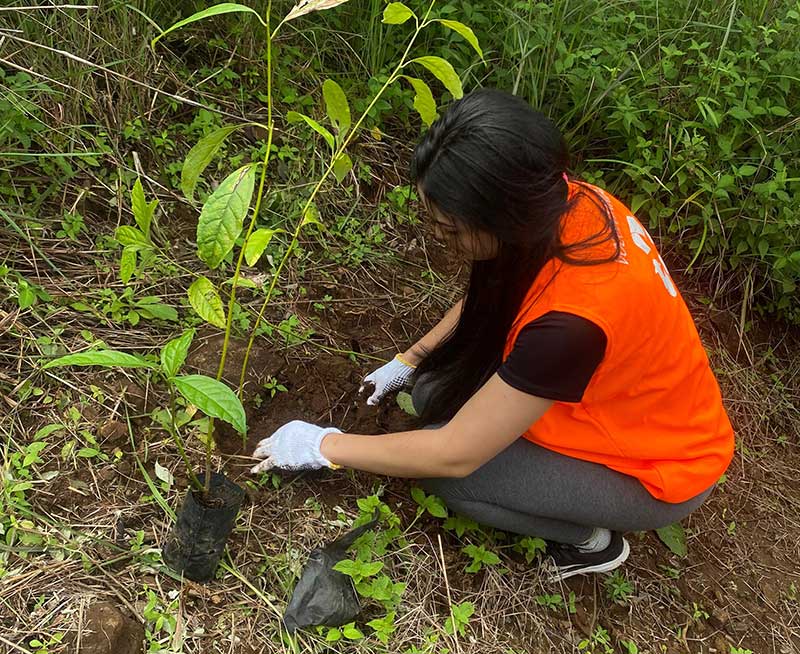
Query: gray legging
point(530, 490)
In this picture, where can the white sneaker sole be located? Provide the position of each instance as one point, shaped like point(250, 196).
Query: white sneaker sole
point(608, 566)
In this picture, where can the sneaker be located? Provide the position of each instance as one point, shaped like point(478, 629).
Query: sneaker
point(569, 560)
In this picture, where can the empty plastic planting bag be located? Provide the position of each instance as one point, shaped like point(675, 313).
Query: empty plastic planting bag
point(324, 596)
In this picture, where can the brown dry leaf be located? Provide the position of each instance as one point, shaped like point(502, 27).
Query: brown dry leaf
point(307, 6)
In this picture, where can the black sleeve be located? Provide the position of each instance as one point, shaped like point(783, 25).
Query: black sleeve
point(555, 357)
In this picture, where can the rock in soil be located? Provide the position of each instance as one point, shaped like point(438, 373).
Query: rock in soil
point(107, 630)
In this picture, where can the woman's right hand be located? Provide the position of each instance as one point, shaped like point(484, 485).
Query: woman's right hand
point(389, 377)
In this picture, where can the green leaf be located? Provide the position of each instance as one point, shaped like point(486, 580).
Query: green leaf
point(396, 13)
point(464, 31)
point(213, 398)
point(256, 244)
point(296, 117)
point(222, 216)
point(674, 538)
point(311, 216)
point(200, 156)
point(102, 358)
point(87, 452)
point(216, 10)
point(142, 210)
point(132, 237)
point(341, 166)
point(436, 507)
point(423, 100)
point(173, 354)
point(206, 302)
point(351, 632)
point(159, 310)
point(405, 402)
point(127, 263)
point(747, 170)
point(26, 296)
point(336, 105)
point(444, 72)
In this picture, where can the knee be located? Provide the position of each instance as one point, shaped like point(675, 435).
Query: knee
point(446, 488)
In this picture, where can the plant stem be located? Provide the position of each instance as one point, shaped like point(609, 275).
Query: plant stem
point(179, 442)
point(237, 271)
point(295, 235)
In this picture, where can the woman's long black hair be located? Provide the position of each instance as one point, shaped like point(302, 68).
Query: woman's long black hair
point(493, 163)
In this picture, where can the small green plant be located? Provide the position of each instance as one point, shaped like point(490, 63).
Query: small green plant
point(459, 618)
point(698, 613)
point(629, 646)
point(71, 225)
point(273, 387)
point(39, 646)
point(211, 396)
point(531, 547)
point(428, 504)
point(599, 642)
point(554, 602)
point(461, 525)
point(481, 557)
point(740, 650)
point(618, 588)
point(348, 631)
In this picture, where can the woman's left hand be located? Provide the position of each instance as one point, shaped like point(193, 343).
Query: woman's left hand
point(295, 446)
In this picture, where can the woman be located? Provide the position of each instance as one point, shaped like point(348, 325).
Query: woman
point(571, 396)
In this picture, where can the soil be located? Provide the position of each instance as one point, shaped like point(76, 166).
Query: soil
point(741, 571)
point(107, 630)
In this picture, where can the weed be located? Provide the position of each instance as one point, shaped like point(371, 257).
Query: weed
point(554, 602)
point(481, 557)
point(599, 642)
point(459, 618)
point(618, 588)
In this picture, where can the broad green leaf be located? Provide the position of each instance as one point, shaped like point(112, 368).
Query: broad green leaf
point(127, 263)
point(295, 117)
point(747, 170)
point(396, 13)
point(423, 100)
point(200, 156)
point(405, 402)
point(159, 311)
point(142, 210)
point(256, 244)
point(206, 302)
point(26, 296)
point(674, 538)
point(341, 166)
point(173, 354)
point(444, 72)
point(213, 398)
point(311, 216)
point(132, 237)
point(223, 214)
point(307, 6)
point(102, 358)
point(216, 10)
point(336, 105)
point(464, 31)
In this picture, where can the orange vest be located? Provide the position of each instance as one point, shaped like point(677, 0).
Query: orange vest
point(653, 408)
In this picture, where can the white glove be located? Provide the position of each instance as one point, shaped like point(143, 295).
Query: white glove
point(295, 446)
point(389, 377)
